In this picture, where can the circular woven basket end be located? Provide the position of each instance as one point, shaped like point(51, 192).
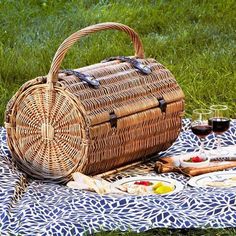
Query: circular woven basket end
point(48, 133)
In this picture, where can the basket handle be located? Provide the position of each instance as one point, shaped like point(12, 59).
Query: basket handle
point(62, 50)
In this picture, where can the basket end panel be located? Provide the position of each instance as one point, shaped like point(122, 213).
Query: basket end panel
point(47, 132)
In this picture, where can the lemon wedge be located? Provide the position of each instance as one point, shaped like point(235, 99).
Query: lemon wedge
point(157, 185)
point(164, 189)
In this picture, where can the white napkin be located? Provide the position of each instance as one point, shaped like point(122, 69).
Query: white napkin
point(99, 186)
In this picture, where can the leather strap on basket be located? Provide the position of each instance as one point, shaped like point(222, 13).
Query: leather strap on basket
point(134, 62)
point(62, 50)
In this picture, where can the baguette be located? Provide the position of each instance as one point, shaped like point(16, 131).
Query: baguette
point(167, 165)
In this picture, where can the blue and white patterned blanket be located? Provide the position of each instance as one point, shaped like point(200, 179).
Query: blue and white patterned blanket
point(31, 207)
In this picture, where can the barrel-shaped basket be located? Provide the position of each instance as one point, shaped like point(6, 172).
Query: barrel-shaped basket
point(96, 118)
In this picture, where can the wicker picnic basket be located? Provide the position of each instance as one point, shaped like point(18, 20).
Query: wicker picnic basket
point(94, 118)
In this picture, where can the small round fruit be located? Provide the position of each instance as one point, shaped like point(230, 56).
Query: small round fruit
point(197, 159)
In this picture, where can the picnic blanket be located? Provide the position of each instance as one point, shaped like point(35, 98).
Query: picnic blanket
point(32, 207)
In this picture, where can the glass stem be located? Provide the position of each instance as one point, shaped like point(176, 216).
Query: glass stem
point(201, 149)
point(220, 150)
point(219, 144)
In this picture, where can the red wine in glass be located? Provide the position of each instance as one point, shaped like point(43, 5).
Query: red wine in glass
point(201, 127)
point(202, 130)
point(220, 122)
point(219, 125)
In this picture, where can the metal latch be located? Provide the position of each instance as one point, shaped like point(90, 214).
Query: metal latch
point(134, 62)
point(162, 104)
point(89, 79)
point(113, 119)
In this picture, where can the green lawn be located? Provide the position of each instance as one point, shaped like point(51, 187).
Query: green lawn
point(195, 39)
point(163, 232)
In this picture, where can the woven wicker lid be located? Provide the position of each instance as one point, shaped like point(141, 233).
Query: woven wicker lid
point(48, 124)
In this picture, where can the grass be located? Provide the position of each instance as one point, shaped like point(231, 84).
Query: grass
point(183, 232)
point(195, 39)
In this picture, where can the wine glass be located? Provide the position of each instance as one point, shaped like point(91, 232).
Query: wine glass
point(220, 123)
point(201, 127)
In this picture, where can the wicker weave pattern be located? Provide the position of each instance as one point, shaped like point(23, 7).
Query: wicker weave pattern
point(58, 124)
